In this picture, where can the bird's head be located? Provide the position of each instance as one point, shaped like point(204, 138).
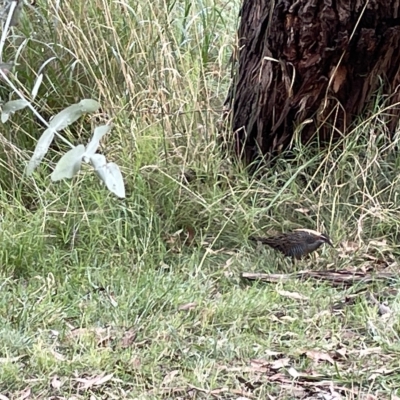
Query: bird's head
point(320, 238)
point(326, 239)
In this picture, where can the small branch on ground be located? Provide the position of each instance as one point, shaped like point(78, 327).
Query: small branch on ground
point(342, 277)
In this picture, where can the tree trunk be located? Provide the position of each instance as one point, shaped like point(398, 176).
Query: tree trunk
point(309, 67)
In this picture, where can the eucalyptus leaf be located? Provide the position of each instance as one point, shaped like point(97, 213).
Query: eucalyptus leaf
point(89, 105)
point(69, 164)
point(110, 174)
point(36, 86)
point(42, 146)
point(72, 113)
point(11, 107)
point(93, 145)
point(60, 121)
point(115, 181)
point(99, 162)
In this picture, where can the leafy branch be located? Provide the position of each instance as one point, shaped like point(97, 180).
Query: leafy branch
point(70, 163)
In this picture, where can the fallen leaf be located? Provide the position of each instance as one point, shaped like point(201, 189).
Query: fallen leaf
point(292, 295)
point(288, 318)
point(283, 362)
point(302, 210)
point(95, 381)
point(370, 350)
point(128, 339)
point(187, 307)
point(293, 373)
point(378, 243)
point(372, 258)
point(258, 365)
point(272, 353)
point(170, 377)
point(277, 377)
point(319, 356)
point(2, 397)
point(342, 352)
point(216, 392)
point(55, 382)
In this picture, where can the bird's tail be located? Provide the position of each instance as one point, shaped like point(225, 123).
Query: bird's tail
point(262, 240)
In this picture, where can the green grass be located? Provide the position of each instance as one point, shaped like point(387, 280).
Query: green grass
point(92, 285)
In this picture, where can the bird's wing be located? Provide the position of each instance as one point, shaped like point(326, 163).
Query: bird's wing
point(274, 242)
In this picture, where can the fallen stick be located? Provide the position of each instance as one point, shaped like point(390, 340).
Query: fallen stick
point(341, 277)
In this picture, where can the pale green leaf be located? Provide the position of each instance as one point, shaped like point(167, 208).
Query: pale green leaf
point(11, 107)
point(36, 86)
point(110, 174)
point(98, 133)
point(89, 105)
point(72, 113)
point(99, 162)
point(42, 146)
point(69, 164)
point(115, 181)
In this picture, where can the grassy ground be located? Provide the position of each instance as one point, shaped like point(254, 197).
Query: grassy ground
point(143, 298)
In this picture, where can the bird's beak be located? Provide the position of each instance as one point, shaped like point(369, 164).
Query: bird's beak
point(330, 243)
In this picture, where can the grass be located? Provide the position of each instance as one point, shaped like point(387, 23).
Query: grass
point(143, 298)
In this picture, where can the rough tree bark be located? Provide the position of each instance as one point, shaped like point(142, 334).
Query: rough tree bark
point(309, 67)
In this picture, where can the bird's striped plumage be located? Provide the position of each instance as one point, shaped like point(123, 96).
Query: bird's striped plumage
point(296, 244)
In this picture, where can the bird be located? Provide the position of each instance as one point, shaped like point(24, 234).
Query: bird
point(296, 244)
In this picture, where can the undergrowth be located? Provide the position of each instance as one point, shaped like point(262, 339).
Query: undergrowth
point(144, 297)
